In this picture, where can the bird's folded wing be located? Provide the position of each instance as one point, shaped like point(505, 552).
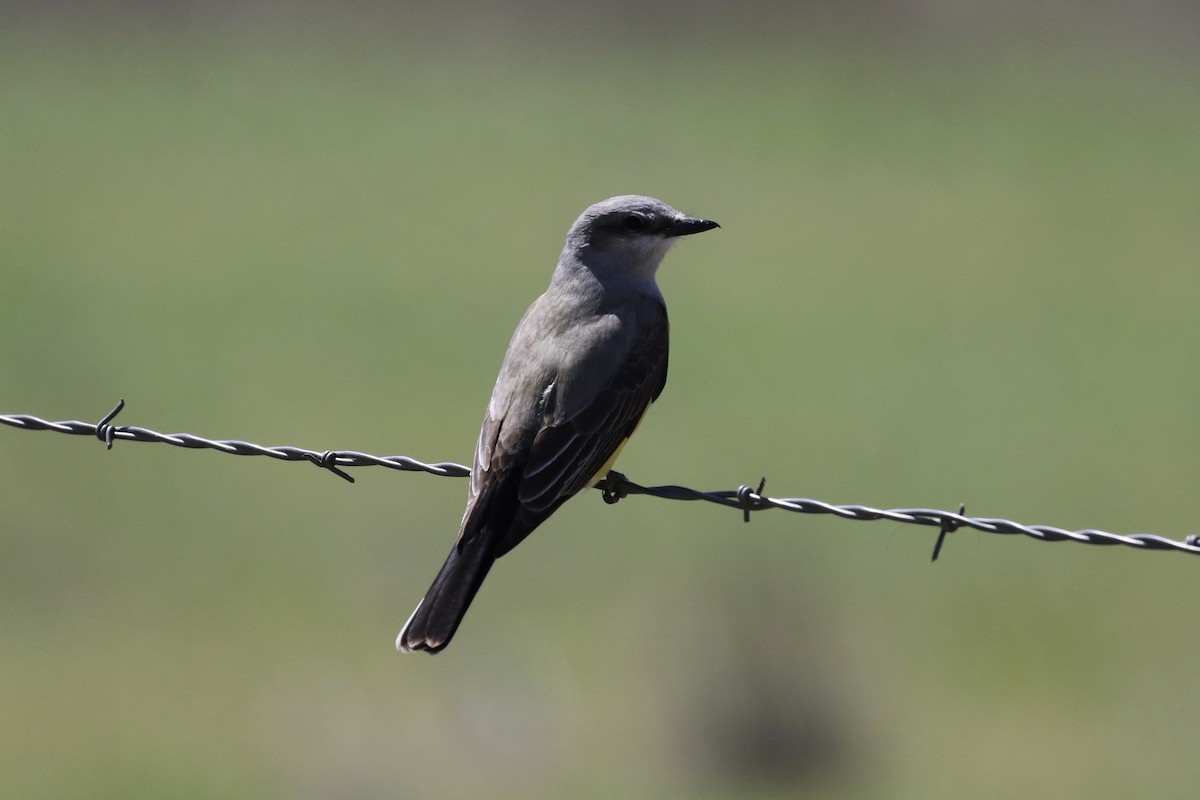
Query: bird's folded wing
point(575, 444)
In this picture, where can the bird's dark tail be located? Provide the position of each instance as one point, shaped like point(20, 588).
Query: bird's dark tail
point(438, 615)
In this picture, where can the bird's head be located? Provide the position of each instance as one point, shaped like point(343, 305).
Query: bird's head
point(628, 235)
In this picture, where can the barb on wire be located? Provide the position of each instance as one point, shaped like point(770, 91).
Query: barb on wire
point(948, 526)
point(616, 486)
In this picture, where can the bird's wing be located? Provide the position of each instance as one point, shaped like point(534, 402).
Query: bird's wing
point(586, 430)
point(551, 439)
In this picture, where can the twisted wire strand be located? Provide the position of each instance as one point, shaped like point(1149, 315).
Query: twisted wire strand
point(332, 460)
point(616, 486)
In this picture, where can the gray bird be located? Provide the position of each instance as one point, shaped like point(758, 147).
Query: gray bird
point(586, 361)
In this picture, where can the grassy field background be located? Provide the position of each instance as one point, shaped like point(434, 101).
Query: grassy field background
point(948, 271)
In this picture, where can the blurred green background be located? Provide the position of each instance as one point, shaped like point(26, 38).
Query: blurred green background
point(958, 262)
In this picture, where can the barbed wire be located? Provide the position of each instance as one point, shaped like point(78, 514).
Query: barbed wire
point(616, 486)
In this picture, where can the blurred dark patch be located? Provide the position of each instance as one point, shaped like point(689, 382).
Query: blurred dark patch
point(765, 704)
point(776, 733)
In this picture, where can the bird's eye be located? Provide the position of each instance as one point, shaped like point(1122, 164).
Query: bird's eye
point(634, 224)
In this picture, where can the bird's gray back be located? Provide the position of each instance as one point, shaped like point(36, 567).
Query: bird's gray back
point(569, 346)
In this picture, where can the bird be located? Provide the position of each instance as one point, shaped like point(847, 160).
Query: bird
point(583, 365)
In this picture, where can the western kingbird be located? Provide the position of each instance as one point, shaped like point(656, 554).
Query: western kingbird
point(586, 361)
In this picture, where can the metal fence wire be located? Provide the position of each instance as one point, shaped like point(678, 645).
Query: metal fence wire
point(616, 486)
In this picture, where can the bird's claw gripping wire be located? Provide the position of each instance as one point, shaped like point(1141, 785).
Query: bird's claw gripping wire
point(614, 487)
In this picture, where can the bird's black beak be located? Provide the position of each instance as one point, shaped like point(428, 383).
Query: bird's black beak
point(686, 226)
